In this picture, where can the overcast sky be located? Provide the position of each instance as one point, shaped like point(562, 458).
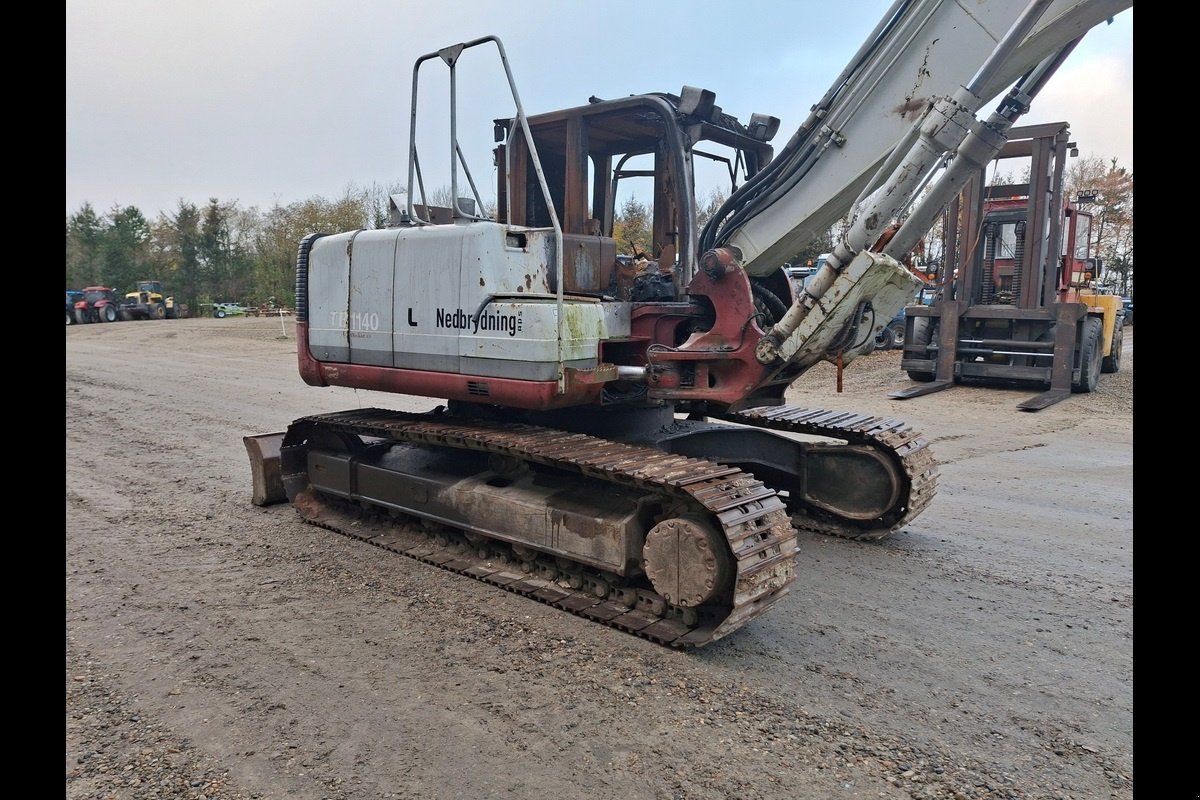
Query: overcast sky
point(269, 102)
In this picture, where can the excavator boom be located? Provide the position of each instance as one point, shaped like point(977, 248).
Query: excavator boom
point(921, 54)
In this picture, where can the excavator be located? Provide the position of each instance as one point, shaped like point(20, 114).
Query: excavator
point(610, 436)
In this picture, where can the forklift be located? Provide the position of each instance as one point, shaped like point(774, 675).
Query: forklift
point(1016, 301)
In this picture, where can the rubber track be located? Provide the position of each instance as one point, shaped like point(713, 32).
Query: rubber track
point(752, 516)
point(907, 448)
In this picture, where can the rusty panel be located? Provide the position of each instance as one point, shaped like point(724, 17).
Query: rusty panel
point(590, 261)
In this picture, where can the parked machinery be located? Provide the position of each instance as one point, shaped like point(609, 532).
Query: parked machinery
point(74, 296)
point(615, 442)
point(1018, 303)
point(98, 304)
point(149, 301)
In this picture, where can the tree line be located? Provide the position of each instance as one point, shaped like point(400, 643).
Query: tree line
point(222, 252)
point(217, 253)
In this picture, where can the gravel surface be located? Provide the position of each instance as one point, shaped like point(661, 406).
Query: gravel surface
point(215, 649)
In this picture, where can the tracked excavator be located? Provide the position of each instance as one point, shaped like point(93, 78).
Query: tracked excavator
point(610, 437)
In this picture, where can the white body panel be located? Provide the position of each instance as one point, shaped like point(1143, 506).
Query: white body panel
point(449, 298)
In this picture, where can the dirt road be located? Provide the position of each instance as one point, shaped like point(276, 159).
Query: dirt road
point(216, 649)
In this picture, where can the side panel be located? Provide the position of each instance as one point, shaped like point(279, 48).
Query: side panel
point(448, 299)
point(430, 273)
point(369, 320)
point(329, 298)
point(517, 339)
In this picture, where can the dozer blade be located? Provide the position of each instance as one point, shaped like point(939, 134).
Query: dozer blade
point(265, 468)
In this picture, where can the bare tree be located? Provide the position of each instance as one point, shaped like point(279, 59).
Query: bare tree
point(1105, 190)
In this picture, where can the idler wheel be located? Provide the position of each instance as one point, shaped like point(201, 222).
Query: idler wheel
point(687, 560)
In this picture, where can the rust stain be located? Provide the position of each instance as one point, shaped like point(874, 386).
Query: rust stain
point(910, 106)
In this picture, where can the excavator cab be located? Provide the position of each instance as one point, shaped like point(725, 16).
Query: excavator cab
point(596, 156)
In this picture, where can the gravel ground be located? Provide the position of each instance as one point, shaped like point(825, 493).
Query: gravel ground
point(215, 649)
